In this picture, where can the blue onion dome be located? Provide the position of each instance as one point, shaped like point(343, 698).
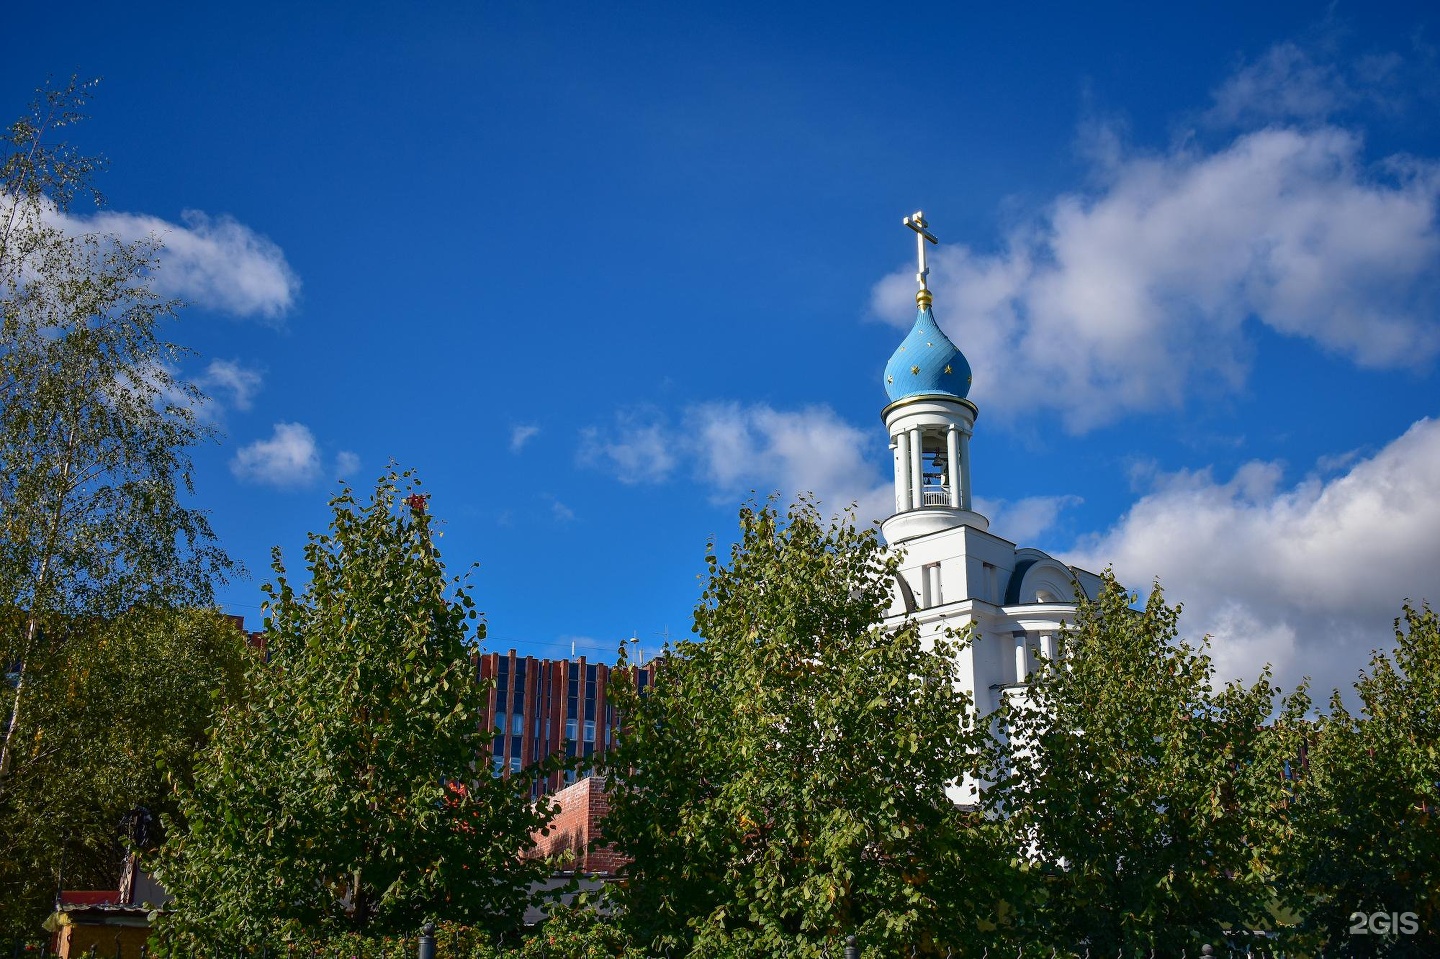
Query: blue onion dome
point(927, 363)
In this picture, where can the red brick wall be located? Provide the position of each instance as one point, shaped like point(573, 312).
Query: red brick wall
point(576, 829)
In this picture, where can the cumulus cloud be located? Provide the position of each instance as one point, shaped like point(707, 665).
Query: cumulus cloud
point(347, 464)
point(1135, 296)
point(741, 447)
point(289, 458)
point(237, 382)
point(732, 448)
point(1292, 81)
point(520, 435)
point(214, 262)
point(1307, 577)
point(1024, 520)
point(1286, 82)
point(639, 449)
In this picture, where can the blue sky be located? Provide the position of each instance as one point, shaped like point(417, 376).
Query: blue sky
point(598, 271)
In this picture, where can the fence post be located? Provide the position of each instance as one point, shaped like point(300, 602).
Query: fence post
point(427, 941)
point(852, 951)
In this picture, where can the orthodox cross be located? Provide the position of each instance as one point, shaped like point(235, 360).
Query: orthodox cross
point(918, 224)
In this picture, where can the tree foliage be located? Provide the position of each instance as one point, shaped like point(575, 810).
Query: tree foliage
point(783, 781)
point(1366, 817)
point(95, 424)
point(1146, 804)
point(117, 709)
point(99, 548)
point(351, 790)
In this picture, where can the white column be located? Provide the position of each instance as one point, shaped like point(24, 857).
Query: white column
point(917, 470)
point(1020, 659)
point(965, 471)
point(952, 451)
point(932, 581)
point(902, 472)
point(1047, 646)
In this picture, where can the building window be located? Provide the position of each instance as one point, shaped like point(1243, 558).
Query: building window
point(517, 724)
point(499, 763)
point(514, 764)
point(570, 729)
point(589, 730)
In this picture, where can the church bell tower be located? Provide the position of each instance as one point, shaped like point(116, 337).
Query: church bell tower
point(956, 572)
point(929, 421)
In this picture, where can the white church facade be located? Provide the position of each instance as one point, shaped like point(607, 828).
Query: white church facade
point(956, 572)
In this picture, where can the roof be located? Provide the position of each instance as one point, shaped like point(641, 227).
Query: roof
point(927, 363)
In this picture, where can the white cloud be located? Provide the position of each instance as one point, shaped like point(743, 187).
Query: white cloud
point(1292, 81)
point(238, 382)
point(638, 450)
point(1306, 577)
point(732, 448)
point(1135, 296)
point(347, 464)
point(1024, 520)
point(737, 447)
point(288, 458)
point(1285, 82)
point(213, 262)
point(155, 383)
point(520, 435)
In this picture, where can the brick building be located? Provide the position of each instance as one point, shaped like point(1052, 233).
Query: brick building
point(545, 707)
point(576, 830)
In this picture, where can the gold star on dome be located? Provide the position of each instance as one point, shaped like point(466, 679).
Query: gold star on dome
point(948, 370)
point(929, 344)
point(889, 379)
point(914, 371)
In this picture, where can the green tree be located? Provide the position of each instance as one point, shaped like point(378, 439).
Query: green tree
point(116, 704)
point(97, 541)
point(351, 790)
point(1145, 802)
point(95, 425)
point(783, 781)
point(1366, 814)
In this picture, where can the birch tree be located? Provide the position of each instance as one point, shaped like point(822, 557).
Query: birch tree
point(95, 423)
